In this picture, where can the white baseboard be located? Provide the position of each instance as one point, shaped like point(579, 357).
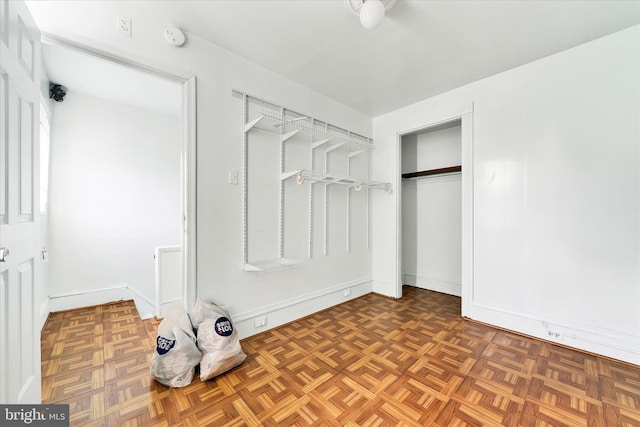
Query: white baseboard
point(605, 342)
point(384, 288)
point(277, 314)
point(90, 297)
point(296, 308)
point(145, 306)
point(433, 284)
point(44, 312)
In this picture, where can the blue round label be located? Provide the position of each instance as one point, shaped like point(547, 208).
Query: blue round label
point(223, 327)
point(163, 345)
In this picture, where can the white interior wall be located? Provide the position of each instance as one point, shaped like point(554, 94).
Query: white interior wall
point(432, 211)
point(114, 195)
point(283, 296)
point(432, 149)
point(556, 199)
point(264, 203)
point(515, 112)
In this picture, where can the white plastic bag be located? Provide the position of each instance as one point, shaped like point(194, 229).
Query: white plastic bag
point(176, 355)
point(217, 339)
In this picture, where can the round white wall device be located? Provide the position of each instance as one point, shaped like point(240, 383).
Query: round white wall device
point(174, 36)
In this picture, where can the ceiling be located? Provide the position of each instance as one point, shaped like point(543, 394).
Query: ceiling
point(81, 73)
point(421, 49)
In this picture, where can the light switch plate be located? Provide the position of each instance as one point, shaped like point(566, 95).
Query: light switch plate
point(233, 177)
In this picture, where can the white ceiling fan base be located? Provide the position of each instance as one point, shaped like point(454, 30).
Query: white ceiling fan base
point(355, 5)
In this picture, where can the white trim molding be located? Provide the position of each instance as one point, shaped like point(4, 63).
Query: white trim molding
point(605, 342)
point(433, 284)
point(52, 39)
point(44, 312)
point(465, 115)
point(189, 178)
point(89, 297)
point(97, 296)
point(467, 211)
point(296, 308)
point(146, 308)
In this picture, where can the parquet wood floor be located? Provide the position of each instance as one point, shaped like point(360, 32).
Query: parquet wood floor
point(372, 361)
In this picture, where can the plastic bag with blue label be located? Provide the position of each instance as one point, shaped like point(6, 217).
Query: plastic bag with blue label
point(217, 338)
point(176, 355)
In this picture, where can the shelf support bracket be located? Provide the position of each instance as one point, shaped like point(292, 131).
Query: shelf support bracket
point(289, 135)
point(320, 143)
point(252, 123)
point(335, 146)
point(355, 153)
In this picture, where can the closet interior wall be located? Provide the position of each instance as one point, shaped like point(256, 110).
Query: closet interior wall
point(432, 209)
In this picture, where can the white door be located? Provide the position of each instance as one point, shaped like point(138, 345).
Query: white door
point(19, 213)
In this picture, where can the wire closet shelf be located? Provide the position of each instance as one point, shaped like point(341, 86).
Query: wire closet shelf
point(322, 138)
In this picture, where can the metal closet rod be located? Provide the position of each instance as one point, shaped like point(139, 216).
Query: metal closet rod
point(271, 105)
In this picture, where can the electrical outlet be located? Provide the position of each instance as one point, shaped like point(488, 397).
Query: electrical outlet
point(346, 292)
point(123, 24)
point(260, 322)
point(554, 335)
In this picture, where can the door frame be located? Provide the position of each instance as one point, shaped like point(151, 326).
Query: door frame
point(466, 118)
point(187, 160)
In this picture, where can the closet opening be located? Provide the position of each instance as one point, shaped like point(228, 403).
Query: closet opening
point(431, 208)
